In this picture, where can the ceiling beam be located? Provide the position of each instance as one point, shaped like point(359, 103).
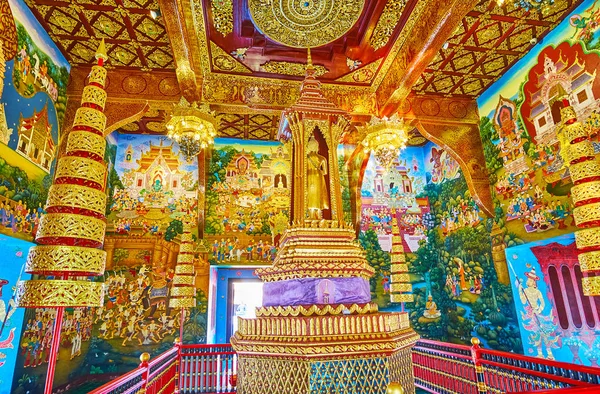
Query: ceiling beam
point(176, 15)
point(426, 37)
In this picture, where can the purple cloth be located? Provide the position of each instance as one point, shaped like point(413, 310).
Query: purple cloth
point(309, 291)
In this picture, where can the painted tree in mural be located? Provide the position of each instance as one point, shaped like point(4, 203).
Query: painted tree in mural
point(458, 274)
point(376, 257)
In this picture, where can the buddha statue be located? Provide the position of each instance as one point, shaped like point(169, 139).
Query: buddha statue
point(431, 311)
point(318, 195)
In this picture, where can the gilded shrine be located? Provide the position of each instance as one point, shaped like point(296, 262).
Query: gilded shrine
point(299, 196)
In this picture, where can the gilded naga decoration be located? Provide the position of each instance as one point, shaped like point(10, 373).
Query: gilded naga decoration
point(578, 154)
point(318, 331)
point(71, 233)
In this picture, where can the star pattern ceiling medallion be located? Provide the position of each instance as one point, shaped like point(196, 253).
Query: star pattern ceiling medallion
point(305, 23)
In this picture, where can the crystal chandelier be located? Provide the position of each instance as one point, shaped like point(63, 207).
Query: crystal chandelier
point(192, 126)
point(384, 138)
point(541, 5)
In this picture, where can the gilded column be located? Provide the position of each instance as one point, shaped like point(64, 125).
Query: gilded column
point(400, 289)
point(71, 233)
point(183, 292)
point(584, 167)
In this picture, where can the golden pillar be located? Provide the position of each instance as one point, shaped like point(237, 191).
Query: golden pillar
point(400, 289)
point(318, 331)
point(183, 292)
point(578, 154)
point(71, 233)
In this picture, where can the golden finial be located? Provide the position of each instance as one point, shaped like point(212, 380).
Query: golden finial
point(309, 63)
point(101, 53)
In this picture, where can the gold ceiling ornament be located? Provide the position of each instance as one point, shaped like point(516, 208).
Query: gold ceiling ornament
point(305, 23)
point(194, 127)
point(387, 23)
point(384, 137)
point(288, 68)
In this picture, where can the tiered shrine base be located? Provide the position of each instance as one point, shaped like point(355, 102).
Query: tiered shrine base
point(346, 353)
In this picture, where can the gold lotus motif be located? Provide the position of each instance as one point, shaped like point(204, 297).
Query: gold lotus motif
point(305, 23)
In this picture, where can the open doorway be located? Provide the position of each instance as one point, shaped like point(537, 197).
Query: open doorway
point(246, 296)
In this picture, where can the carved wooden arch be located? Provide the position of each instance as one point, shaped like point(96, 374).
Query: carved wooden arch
point(463, 143)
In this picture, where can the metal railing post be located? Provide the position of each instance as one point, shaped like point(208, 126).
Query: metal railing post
point(177, 364)
point(144, 358)
point(479, 374)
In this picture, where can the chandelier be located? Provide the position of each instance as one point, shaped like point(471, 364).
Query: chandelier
point(540, 5)
point(384, 138)
point(192, 126)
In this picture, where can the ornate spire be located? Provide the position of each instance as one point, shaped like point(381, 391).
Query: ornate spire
point(184, 290)
point(578, 151)
point(71, 233)
point(400, 289)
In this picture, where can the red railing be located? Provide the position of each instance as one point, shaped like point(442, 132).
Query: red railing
point(448, 368)
point(151, 377)
point(207, 369)
point(438, 367)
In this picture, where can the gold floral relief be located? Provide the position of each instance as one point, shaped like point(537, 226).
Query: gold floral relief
point(305, 24)
point(59, 293)
point(77, 196)
point(87, 142)
point(53, 225)
point(60, 258)
point(90, 117)
point(288, 68)
point(80, 167)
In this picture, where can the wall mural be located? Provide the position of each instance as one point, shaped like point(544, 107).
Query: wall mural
point(531, 185)
point(32, 106)
point(448, 245)
point(97, 344)
point(558, 322)
point(11, 318)
point(153, 188)
point(519, 127)
point(247, 200)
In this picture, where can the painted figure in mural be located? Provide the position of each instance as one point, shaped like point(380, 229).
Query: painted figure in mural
point(543, 330)
point(431, 311)
point(461, 273)
point(318, 194)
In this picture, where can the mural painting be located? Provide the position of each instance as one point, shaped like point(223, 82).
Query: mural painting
point(32, 106)
point(100, 343)
point(153, 188)
point(449, 251)
point(247, 201)
point(557, 321)
point(520, 124)
point(11, 317)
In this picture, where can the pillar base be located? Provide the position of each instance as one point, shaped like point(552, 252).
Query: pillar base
point(324, 354)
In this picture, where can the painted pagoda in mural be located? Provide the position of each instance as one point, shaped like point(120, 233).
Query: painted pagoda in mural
point(35, 139)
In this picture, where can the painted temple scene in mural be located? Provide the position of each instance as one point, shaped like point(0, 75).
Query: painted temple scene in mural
point(390, 196)
point(32, 106)
point(155, 186)
point(247, 200)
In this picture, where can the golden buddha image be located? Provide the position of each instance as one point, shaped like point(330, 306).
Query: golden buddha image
point(318, 194)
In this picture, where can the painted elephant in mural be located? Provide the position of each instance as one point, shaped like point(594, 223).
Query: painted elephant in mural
point(156, 294)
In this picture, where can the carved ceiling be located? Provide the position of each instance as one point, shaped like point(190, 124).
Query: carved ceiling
point(237, 45)
point(487, 42)
point(133, 38)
